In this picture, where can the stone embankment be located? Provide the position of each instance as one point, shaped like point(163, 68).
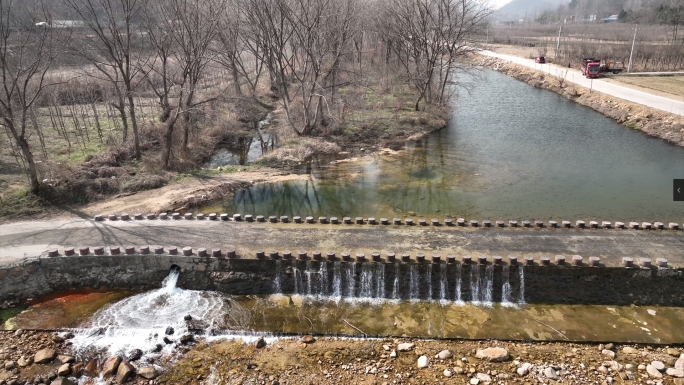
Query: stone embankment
point(649, 120)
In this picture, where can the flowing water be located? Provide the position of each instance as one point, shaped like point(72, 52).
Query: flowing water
point(510, 151)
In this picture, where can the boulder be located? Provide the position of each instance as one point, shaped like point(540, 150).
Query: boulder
point(44, 356)
point(90, 369)
point(77, 369)
point(679, 364)
point(22, 362)
point(679, 373)
point(9, 365)
point(550, 373)
point(658, 365)
point(135, 355)
point(148, 372)
point(630, 350)
point(653, 372)
point(423, 362)
point(405, 346)
point(169, 331)
point(672, 352)
point(62, 381)
point(64, 370)
point(111, 366)
point(524, 369)
point(492, 354)
point(260, 343)
point(444, 354)
point(483, 377)
point(65, 359)
point(308, 339)
point(125, 372)
point(609, 353)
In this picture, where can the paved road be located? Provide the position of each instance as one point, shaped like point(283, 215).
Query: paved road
point(665, 104)
point(19, 241)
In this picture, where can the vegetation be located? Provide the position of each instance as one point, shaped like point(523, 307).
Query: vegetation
point(110, 96)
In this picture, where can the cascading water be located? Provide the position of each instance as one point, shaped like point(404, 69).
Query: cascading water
point(350, 275)
point(337, 281)
point(323, 279)
point(475, 284)
point(308, 277)
point(366, 280)
point(380, 281)
point(506, 299)
point(414, 282)
point(429, 281)
point(395, 284)
point(488, 286)
point(442, 283)
point(298, 282)
point(521, 296)
point(457, 293)
point(277, 285)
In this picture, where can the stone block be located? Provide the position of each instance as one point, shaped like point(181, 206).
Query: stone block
point(594, 261)
point(284, 219)
point(53, 253)
point(646, 225)
point(486, 223)
point(661, 262)
point(406, 257)
point(408, 221)
point(138, 217)
point(371, 221)
point(358, 220)
point(287, 255)
point(151, 216)
point(159, 250)
point(346, 256)
point(173, 250)
point(645, 262)
point(526, 223)
point(474, 223)
point(273, 254)
point(260, 254)
point(593, 224)
point(360, 257)
point(396, 221)
point(619, 225)
point(187, 251)
point(565, 224)
point(422, 222)
point(545, 261)
point(260, 218)
point(538, 224)
point(249, 218)
point(384, 221)
point(466, 259)
point(497, 260)
point(391, 257)
point(237, 217)
point(317, 255)
point(84, 250)
point(216, 253)
point(580, 224)
point(188, 216)
point(529, 261)
point(436, 258)
point(129, 250)
point(451, 259)
point(553, 224)
point(481, 259)
point(273, 219)
point(375, 256)
point(512, 260)
point(69, 251)
point(513, 223)
point(605, 224)
point(448, 222)
point(500, 223)
point(334, 220)
point(627, 262)
point(330, 255)
point(301, 255)
point(212, 216)
point(297, 219)
point(577, 260)
point(560, 260)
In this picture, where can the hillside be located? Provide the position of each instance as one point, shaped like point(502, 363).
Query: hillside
point(521, 8)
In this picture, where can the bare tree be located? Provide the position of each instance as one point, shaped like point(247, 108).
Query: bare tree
point(26, 54)
point(115, 50)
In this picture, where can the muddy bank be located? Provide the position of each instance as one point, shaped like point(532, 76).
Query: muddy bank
point(652, 122)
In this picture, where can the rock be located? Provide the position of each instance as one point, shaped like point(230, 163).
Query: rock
point(679, 364)
point(483, 377)
point(111, 366)
point(22, 362)
point(679, 381)
point(658, 365)
point(62, 381)
point(615, 366)
point(9, 365)
point(405, 347)
point(125, 372)
point(64, 370)
point(630, 375)
point(76, 369)
point(444, 354)
point(148, 372)
point(167, 341)
point(188, 317)
point(629, 367)
point(474, 381)
point(608, 353)
point(672, 352)
point(630, 350)
point(550, 373)
point(679, 373)
point(458, 370)
point(393, 354)
point(602, 369)
point(308, 339)
point(65, 359)
point(19, 332)
point(386, 348)
point(653, 372)
point(492, 354)
point(260, 343)
point(44, 356)
point(186, 339)
point(524, 369)
point(609, 346)
point(90, 369)
point(447, 373)
point(135, 355)
point(169, 331)
point(423, 362)
point(641, 367)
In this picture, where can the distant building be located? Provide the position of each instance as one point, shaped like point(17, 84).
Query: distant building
point(61, 24)
point(610, 18)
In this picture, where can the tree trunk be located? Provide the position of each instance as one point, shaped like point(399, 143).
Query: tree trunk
point(28, 156)
point(168, 138)
point(134, 123)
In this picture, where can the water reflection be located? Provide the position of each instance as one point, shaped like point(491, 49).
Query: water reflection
point(510, 151)
point(242, 150)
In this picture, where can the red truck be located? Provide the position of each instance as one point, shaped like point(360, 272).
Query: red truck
point(591, 68)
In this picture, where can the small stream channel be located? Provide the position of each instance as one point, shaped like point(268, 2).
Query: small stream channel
point(511, 151)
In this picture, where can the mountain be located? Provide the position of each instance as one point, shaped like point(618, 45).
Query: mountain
point(518, 9)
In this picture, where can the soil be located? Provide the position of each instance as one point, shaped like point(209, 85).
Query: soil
point(653, 122)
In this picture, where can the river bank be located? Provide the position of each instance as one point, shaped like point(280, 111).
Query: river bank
point(652, 122)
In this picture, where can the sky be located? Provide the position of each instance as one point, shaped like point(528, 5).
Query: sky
point(499, 3)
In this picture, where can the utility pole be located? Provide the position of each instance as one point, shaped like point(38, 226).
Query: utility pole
point(629, 66)
point(558, 44)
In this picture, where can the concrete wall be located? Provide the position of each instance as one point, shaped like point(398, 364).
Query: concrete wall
point(543, 284)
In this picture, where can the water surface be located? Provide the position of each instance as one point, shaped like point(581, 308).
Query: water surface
point(511, 151)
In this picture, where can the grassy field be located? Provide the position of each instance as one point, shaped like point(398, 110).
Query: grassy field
point(673, 85)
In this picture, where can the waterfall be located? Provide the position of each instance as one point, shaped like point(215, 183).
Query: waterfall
point(350, 276)
point(337, 281)
point(298, 283)
point(169, 283)
point(475, 284)
point(521, 297)
point(276, 279)
point(366, 280)
point(488, 285)
point(429, 281)
point(323, 279)
point(308, 277)
point(414, 281)
point(395, 285)
point(506, 299)
point(457, 292)
point(380, 279)
point(442, 283)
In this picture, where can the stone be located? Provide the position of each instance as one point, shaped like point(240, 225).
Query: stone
point(423, 362)
point(308, 339)
point(111, 366)
point(458, 370)
point(550, 373)
point(483, 377)
point(474, 381)
point(64, 370)
point(186, 339)
point(447, 373)
point(77, 369)
point(90, 369)
point(492, 354)
point(659, 365)
point(393, 354)
point(22, 362)
point(679, 364)
point(65, 359)
point(260, 343)
point(9, 365)
point(125, 372)
point(630, 350)
point(630, 375)
point(609, 353)
point(524, 369)
point(444, 354)
point(62, 381)
point(386, 348)
point(44, 356)
point(672, 352)
point(653, 372)
point(641, 367)
point(679, 373)
point(602, 369)
point(405, 346)
point(169, 331)
point(610, 346)
point(148, 372)
point(135, 355)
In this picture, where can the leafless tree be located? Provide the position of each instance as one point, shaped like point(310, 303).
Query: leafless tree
point(115, 51)
point(26, 54)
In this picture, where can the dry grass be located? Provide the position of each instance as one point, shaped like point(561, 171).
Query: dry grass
point(673, 85)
